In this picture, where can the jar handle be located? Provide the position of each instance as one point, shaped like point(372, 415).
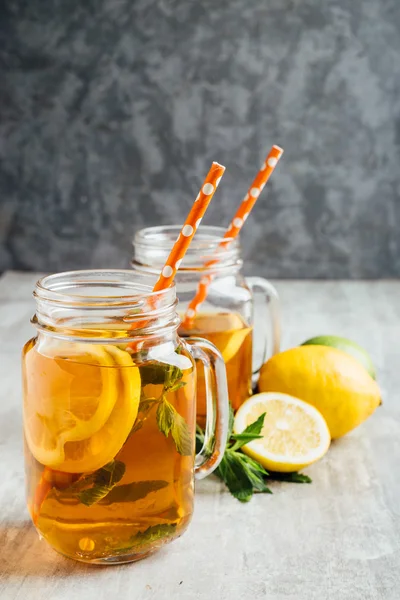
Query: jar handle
point(272, 333)
point(217, 402)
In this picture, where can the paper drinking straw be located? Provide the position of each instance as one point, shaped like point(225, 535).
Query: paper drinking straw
point(186, 234)
point(190, 227)
point(235, 226)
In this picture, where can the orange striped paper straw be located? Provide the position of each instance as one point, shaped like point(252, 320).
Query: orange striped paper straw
point(187, 233)
point(190, 226)
point(235, 226)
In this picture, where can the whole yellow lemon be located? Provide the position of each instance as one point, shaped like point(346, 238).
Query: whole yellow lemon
point(329, 379)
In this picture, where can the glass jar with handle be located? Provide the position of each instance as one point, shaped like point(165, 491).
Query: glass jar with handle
point(109, 415)
point(227, 317)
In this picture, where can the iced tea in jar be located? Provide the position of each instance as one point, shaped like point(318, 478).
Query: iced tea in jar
point(227, 316)
point(109, 416)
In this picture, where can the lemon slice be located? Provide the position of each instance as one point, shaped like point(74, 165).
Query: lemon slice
point(295, 433)
point(79, 408)
point(68, 397)
point(226, 330)
point(233, 344)
point(104, 445)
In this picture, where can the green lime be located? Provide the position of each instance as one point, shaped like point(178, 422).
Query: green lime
point(347, 346)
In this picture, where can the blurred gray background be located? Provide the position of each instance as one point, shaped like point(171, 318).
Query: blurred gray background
point(112, 111)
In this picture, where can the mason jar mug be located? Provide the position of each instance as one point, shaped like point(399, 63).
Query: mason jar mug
point(109, 415)
point(227, 316)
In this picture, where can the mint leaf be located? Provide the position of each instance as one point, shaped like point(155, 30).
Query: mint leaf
point(177, 386)
point(170, 421)
point(173, 379)
point(103, 481)
point(165, 417)
point(256, 427)
point(131, 492)
point(181, 436)
point(290, 477)
point(252, 432)
point(255, 473)
point(153, 533)
point(160, 374)
point(242, 439)
point(152, 373)
point(93, 487)
point(242, 474)
point(145, 406)
point(231, 471)
point(148, 536)
point(255, 465)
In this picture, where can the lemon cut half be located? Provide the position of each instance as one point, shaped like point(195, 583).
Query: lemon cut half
point(295, 433)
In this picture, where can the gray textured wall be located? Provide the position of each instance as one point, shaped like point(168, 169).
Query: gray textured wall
point(112, 110)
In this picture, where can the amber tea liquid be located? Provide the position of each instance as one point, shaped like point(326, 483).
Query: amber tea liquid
point(233, 338)
point(104, 481)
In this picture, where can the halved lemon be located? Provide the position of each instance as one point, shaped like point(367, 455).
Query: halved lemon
point(79, 405)
point(295, 433)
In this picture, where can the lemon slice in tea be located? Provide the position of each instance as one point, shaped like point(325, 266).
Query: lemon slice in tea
point(69, 395)
point(295, 433)
point(104, 445)
point(70, 398)
point(226, 330)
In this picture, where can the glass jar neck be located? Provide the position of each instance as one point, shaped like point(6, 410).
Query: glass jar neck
point(104, 305)
point(209, 252)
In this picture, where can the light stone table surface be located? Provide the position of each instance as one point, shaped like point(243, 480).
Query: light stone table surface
point(336, 539)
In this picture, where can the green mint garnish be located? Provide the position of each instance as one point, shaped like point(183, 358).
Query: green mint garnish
point(169, 421)
point(241, 474)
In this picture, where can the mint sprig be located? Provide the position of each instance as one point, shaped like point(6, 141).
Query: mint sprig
point(169, 421)
point(243, 475)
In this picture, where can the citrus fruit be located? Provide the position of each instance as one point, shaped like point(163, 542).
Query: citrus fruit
point(347, 346)
point(227, 331)
point(79, 408)
point(329, 379)
point(295, 433)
